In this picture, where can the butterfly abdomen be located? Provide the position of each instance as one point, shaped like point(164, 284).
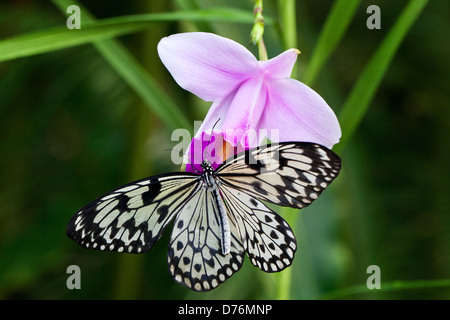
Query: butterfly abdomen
point(211, 185)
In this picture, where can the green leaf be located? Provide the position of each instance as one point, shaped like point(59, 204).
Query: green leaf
point(387, 286)
point(356, 105)
point(137, 77)
point(188, 5)
point(333, 31)
point(60, 37)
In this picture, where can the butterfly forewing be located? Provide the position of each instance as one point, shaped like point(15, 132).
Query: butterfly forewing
point(195, 257)
point(291, 174)
point(132, 218)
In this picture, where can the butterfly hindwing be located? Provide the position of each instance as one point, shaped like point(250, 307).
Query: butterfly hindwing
point(267, 238)
point(291, 174)
point(195, 258)
point(132, 218)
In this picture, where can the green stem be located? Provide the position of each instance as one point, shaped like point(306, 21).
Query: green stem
point(288, 23)
point(289, 35)
point(257, 32)
point(262, 50)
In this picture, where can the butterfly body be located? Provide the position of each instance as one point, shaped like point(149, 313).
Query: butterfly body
point(210, 183)
point(218, 215)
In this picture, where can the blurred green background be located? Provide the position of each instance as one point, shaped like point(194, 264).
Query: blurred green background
point(72, 129)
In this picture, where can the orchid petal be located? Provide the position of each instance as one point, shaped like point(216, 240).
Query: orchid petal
point(213, 120)
point(206, 64)
point(212, 147)
point(237, 113)
point(233, 118)
point(280, 66)
point(300, 114)
point(216, 115)
point(245, 109)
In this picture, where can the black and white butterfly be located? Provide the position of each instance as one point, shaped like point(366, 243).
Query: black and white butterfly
point(218, 214)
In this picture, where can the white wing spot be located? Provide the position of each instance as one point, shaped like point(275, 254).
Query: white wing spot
point(129, 188)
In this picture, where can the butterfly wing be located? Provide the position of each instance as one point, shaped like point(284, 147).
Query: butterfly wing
point(289, 174)
point(267, 238)
point(195, 258)
point(132, 218)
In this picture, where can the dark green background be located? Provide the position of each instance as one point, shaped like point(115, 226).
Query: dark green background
point(71, 129)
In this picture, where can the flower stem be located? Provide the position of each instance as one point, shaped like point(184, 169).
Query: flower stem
point(287, 19)
point(288, 24)
point(257, 32)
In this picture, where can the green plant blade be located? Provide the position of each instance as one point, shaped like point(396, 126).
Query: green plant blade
point(356, 105)
point(60, 37)
point(388, 286)
point(137, 77)
point(188, 5)
point(333, 31)
point(288, 22)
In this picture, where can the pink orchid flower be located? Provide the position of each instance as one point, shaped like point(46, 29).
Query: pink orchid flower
point(247, 94)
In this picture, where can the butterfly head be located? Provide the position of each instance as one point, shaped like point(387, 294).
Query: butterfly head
point(207, 167)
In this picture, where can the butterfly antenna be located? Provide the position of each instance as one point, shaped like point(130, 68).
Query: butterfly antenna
point(192, 166)
point(189, 160)
point(210, 137)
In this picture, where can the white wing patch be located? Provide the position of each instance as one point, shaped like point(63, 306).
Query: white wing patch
point(302, 171)
point(132, 218)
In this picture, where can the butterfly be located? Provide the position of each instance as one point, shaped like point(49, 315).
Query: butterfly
point(219, 214)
